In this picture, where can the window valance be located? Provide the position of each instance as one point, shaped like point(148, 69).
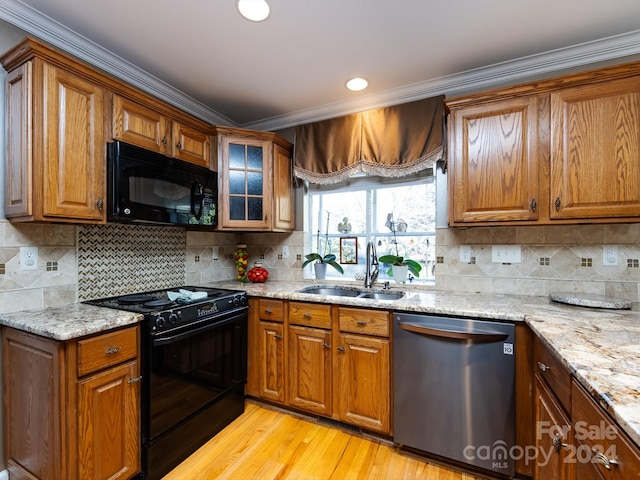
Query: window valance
point(392, 141)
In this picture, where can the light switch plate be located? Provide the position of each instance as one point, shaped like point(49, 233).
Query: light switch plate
point(285, 251)
point(215, 253)
point(28, 258)
point(506, 254)
point(465, 254)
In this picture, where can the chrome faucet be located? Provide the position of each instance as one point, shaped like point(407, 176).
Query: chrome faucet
point(372, 259)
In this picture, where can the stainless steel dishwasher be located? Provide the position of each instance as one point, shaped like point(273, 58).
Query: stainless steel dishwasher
point(454, 389)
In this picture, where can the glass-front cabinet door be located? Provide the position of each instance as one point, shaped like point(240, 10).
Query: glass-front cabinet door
point(245, 176)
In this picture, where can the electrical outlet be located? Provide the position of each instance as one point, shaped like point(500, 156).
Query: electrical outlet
point(285, 251)
point(28, 258)
point(215, 253)
point(506, 254)
point(610, 256)
point(465, 254)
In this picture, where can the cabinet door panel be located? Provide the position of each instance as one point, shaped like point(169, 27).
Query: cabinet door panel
point(283, 191)
point(271, 347)
point(141, 126)
point(191, 145)
point(595, 148)
point(108, 421)
point(494, 173)
point(75, 149)
point(310, 369)
point(364, 396)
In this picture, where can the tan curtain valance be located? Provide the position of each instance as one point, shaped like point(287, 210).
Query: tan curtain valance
point(390, 142)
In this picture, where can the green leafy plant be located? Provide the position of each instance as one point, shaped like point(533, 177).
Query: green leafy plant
point(414, 267)
point(328, 258)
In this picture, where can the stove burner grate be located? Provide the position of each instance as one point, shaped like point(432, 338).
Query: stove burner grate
point(134, 299)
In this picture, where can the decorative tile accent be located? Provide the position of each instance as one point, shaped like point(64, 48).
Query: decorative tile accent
point(52, 266)
point(586, 262)
point(2, 269)
point(543, 261)
point(472, 260)
point(119, 259)
point(439, 259)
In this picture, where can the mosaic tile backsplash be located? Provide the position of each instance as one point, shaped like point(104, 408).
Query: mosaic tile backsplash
point(119, 259)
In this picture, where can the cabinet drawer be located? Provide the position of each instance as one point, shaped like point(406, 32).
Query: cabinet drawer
point(369, 322)
point(310, 314)
point(553, 372)
point(105, 350)
point(271, 310)
point(598, 433)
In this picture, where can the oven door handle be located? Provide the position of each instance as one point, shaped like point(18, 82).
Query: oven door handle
point(162, 340)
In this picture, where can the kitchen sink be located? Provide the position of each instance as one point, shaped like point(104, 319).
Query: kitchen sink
point(353, 293)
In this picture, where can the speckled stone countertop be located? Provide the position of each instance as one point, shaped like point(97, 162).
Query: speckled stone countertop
point(70, 321)
point(600, 347)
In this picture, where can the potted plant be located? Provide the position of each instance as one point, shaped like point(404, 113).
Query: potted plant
point(400, 266)
point(322, 260)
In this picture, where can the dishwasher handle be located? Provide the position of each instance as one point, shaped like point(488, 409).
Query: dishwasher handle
point(478, 336)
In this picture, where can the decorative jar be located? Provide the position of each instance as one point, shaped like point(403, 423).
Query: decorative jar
point(241, 256)
point(258, 274)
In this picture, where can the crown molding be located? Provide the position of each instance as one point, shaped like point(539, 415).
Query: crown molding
point(615, 48)
point(54, 33)
point(505, 73)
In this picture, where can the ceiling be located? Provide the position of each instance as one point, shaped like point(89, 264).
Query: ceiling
point(292, 68)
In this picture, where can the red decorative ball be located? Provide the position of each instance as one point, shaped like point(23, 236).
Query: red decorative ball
point(258, 274)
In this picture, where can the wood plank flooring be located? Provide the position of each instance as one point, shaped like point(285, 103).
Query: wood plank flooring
point(267, 444)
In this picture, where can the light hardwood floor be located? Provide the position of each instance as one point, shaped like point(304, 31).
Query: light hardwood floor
point(266, 444)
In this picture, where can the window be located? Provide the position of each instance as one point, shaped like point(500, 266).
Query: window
point(360, 208)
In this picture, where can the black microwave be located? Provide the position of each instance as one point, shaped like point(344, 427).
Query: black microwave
point(148, 187)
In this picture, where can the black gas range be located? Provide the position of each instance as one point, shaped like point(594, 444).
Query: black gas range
point(193, 362)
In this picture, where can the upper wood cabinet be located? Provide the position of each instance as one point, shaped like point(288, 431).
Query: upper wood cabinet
point(56, 145)
point(255, 181)
point(493, 169)
point(148, 128)
point(564, 150)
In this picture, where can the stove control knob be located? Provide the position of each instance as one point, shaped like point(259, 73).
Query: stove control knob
point(243, 300)
point(160, 321)
point(173, 318)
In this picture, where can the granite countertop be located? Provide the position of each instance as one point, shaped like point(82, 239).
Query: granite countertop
point(70, 321)
point(599, 347)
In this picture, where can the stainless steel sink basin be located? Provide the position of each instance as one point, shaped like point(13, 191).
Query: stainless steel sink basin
point(353, 292)
point(337, 291)
point(382, 295)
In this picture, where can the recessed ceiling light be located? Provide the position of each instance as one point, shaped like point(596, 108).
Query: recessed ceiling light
point(357, 84)
point(254, 10)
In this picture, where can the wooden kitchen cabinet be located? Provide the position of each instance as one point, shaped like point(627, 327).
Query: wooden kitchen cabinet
point(493, 171)
point(56, 145)
point(72, 408)
point(558, 151)
point(149, 128)
point(595, 150)
point(363, 396)
point(255, 181)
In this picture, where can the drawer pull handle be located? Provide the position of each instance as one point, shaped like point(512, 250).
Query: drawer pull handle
point(341, 349)
point(112, 350)
point(100, 203)
point(277, 336)
point(557, 204)
point(543, 367)
point(361, 322)
point(534, 205)
point(602, 459)
point(306, 315)
point(134, 379)
point(557, 443)
point(326, 345)
point(268, 311)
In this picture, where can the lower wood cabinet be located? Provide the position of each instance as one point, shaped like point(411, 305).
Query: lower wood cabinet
point(336, 360)
point(72, 408)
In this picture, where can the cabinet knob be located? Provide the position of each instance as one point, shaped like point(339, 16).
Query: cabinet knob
point(361, 322)
point(306, 315)
point(112, 350)
point(134, 379)
point(342, 349)
point(557, 204)
point(534, 205)
point(100, 203)
point(543, 367)
point(268, 311)
point(557, 443)
point(164, 140)
point(602, 459)
point(179, 146)
point(277, 337)
point(326, 345)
